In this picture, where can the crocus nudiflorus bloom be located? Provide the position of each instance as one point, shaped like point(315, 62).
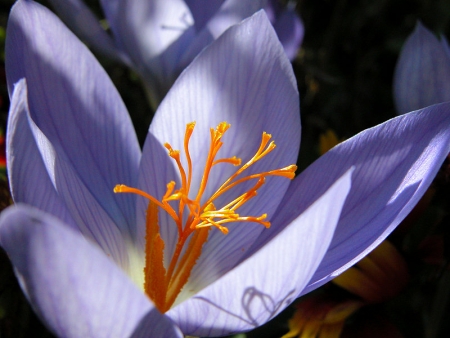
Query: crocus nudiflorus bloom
point(422, 74)
point(159, 38)
point(78, 248)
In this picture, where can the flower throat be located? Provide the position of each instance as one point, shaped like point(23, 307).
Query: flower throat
point(163, 284)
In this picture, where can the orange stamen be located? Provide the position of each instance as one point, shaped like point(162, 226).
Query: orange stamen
point(154, 287)
point(164, 285)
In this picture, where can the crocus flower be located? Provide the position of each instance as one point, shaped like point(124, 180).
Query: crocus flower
point(159, 38)
point(80, 251)
point(423, 71)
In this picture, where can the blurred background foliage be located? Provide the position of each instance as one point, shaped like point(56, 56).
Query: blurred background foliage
point(344, 72)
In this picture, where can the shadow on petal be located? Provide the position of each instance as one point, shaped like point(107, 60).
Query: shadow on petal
point(158, 324)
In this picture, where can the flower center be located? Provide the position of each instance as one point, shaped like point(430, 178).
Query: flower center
point(193, 218)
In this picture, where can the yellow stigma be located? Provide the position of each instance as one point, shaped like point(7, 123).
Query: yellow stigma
point(193, 218)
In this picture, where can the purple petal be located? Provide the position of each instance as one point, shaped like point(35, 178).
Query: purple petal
point(395, 163)
point(28, 177)
point(445, 45)
point(268, 281)
point(202, 12)
point(156, 170)
point(56, 189)
point(79, 112)
point(243, 78)
point(156, 325)
point(422, 73)
point(230, 13)
point(154, 34)
point(290, 31)
point(86, 26)
point(73, 286)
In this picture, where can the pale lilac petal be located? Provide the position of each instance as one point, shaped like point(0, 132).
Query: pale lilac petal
point(89, 216)
point(156, 325)
point(243, 78)
point(290, 31)
point(394, 165)
point(72, 285)
point(156, 170)
point(154, 34)
point(79, 112)
point(203, 10)
point(86, 26)
point(422, 73)
point(268, 281)
point(273, 8)
point(68, 198)
point(445, 45)
point(230, 13)
point(28, 177)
